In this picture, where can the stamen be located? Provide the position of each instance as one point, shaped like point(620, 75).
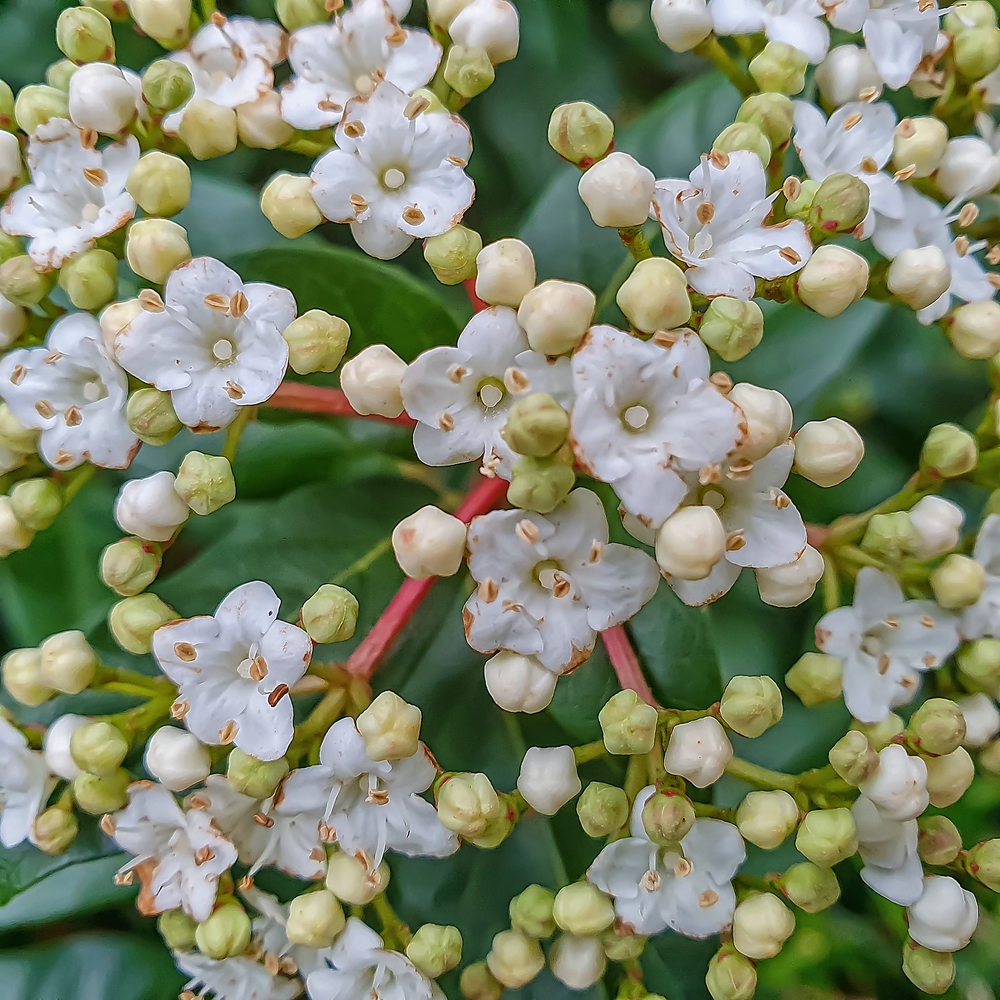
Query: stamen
point(354, 129)
point(416, 106)
point(151, 301)
point(851, 120)
point(527, 531)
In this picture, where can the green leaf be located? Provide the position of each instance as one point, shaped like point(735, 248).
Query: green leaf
point(581, 695)
point(675, 966)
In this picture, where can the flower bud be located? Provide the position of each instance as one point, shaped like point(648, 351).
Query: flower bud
point(492, 26)
point(698, 751)
point(90, 279)
point(983, 861)
point(620, 946)
point(945, 916)
point(519, 683)
point(982, 720)
point(37, 104)
point(577, 962)
point(891, 536)
point(101, 97)
point(154, 247)
point(257, 778)
point(772, 113)
point(468, 70)
point(14, 436)
point(295, 14)
point(515, 959)
point(655, 297)
point(429, 543)
point(779, 68)
point(827, 451)
point(166, 85)
point(949, 777)
point(968, 14)
point(134, 620)
point(581, 133)
point(14, 536)
point(288, 203)
point(97, 795)
point(151, 416)
point(548, 778)
point(937, 727)
point(854, 758)
point(208, 129)
point(974, 329)
point(816, 678)
point(681, 24)
point(478, 983)
point(744, 135)
point(114, 318)
point(730, 976)
point(977, 51)
point(881, 734)
point(7, 122)
point(371, 381)
point(21, 284)
point(827, 836)
point(989, 759)
point(98, 748)
point(810, 887)
point(938, 523)
point(22, 670)
point(767, 818)
point(845, 74)
point(259, 123)
point(768, 415)
point(540, 484)
point(466, 803)
point(177, 930)
point(968, 169)
point(950, 451)
point(160, 183)
point(390, 728)
point(205, 482)
point(452, 255)
point(435, 949)
point(68, 664)
point(939, 841)
point(794, 583)
point(536, 425)
point(931, 972)
point(761, 925)
point(667, 817)
point(979, 663)
point(176, 758)
point(316, 342)
point(83, 35)
point(798, 207)
point(10, 161)
point(56, 746)
point(919, 277)
point(839, 205)
point(919, 143)
point(59, 74)
point(581, 908)
point(731, 327)
point(151, 507)
point(165, 20)
point(505, 273)
point(13, 319)
point(751, 705)
point(331, 614)
point(602, 809)
point(531, 911)
point(314, 919)
point(628, 724)
point(617, 191)
point(690, 542)
point(54, 830)
point(555, 315)
point(899, 787)
point(833, 278)
point(225, 934)
point(36, 503)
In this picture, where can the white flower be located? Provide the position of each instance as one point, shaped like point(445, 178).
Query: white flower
point(234, 671)
point(215, 345)
point(548, 585)
point(74, 392)
point(234, 978)
point(25, 785)
point(983, 618)
point(396, 174)
point(76, 195)
point(347, 57)
point(856, 140)
point(888, 849)
point(104, 97)
point(982, 720)
point(645, 414)
point(715, 224)
point(179, 856)
point(794, 22)
point(362, 968)
point(945, 917)
point(655, 887)
point(898, 789)
point(460, 395)
point(885, 642)
point(269, 931)
point(151, 508)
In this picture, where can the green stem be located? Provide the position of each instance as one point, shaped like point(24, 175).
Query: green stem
point(706, 809)
point(235, 431)
point(852, 529)
point(635, 775)
point(365, 562)
point(120, 675)
point(134, 723)
point(319, 720)
point(761, 777)
point(637, 244)
point(50, 309)
point(611, 289)
point(395, 933)
point(74, 481)
point(725, 63)
point(590, 751)
point(831, 584)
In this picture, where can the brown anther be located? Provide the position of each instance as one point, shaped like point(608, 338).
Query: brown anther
point(924, 5)
point(487, 591)
point(185, 651)
point(930, 661)
point(63, 458)
point(993, 255)
point(851, 120)
point(52, 357)
point(527, 531)
point(203, 855)
point(683, 868)
point(446, 422)
point(705, 213)
point(457, 161)
point(412, 215)
point(151, 301)
point(735, 541)
point(180, 708)
point(358, 203)
point(560, 585)
point(968, 215)
point(200, 802)
point(993, 279)
point(869, 166)
point(258, 668)
point(596, 551)
point(234, 390)
point(739, 469)
point(456, 373)
point(327, 833)
point(186, 995)
point(327, 105)
point(908, 683)
point(790, 255)
point(905, 173)
point(650, 881)
point(378, 797)
point(44, 409)
point(218, 19)
point(792, 188)
point(961, 245)
point(868, 94)
point(332, 6)
point(927, 621)
point(416, 106)
point(217, 302)
point(88, 138)
point(354, 129)
point(17, 374)
point(95, 176)
point(779, 499)
point(277, 694)
point(708, 899)
point(891, 621)
point(261, 820)
point(665, 338)
point(515, 381)
point(228, 732)
point(287, 965)
point(73, 416)
point(238, 304)
point(272, 964)
point(883, 664)
point(124, 878)
point(722, 382)
point(719, 159)
point(710, 473)
point(108, 824)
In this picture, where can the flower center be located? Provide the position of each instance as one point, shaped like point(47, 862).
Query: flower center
point(247, 667)
point(713, 498)
point(94, 390)
point(636, 417)
point(90, 212)
point(393, 178)
point(873, 644)
point(364, 85)
point(545, 572)
point(491, 392)
point(222, 350)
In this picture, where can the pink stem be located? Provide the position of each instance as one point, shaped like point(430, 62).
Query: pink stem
point(626, 663)
point(321, 399)
point(478, 305)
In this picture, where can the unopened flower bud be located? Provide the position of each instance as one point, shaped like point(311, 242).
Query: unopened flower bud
point(617, 191)
point(114, 318)
point(288, 204)
point(15, 436)
point(931, 972)
point(452, 255)
point(21, 284)
point(205, 482)
point(891, 536)
point(898, 788)
point(977, 51)
point(37, 104)
point(698, 751)
point(154, 247)
point(950, 451)
point(881, 734)
point(798, 207)
point(772, 113)
point(767, 818)
point(429, 543)
point(580, 133)
point(548, 778)
point(83, 34)
point(176, 758)
point(840, 204)
point(531, 912)
point(295, 14)
point(160, 183)
point(13, 319)
point(581, 908)
point(628, 724)
point(731, 976)
point(177, 930)
point(59, 74)
point(225, 934)
point(974, 329)
point(97, 795)
point(316, 342)
point(14, 536)
point(779, 68)
point(166, 85)
point(919, 143)
point(488, 24)
point(967, 14)
point(22, 670)
point(833, 278)
point(667, 817)
point(827, 451)
point(949, 777)
point(768, 415)
point(98, 748)
point(937, 727)
point(602, 809)
point(68, 663)
point(939, 841)
point(151, 508)
point(390, 728)
point(259, 779)
point(468, 70)
point(536, 425)
point(134, 620)
point(467, 803)
point(515, 959)
point(827, 836)
point(681, 24)
point(794, 583)
point(979, 663)
point(54, 830)
point(751, 705)
point(519, 683)
point(208, 129)
point(982, 720)
point(36, 502)
point(505, 272)
point(983, 861)
point(90, 279)
point(968, 169)
point(314, 919)
point(620, 946)
point(101, 97)
point(815, 678)
point(945, 916)
point(259, 123)
point(854, 758)
point(435, 949)
point(10, 160)
point(371, 381)
point(478, 983)
point(165, 20)
point(655, 296)
point(810, 887)
point(690, 543)
point(845, 74)
point(919, 277)
point(540, 484)
point(555, 315)
point(744, 135)
point(151, 416)
point(56, 745)
point(761, 925)
point(577, 962)
point(989, 759)
point(732, 327)
point(331, 614)
point(938, 523)
point(7, 122)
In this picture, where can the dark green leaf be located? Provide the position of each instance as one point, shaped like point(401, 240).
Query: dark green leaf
point(675, 966)
point(581, 695)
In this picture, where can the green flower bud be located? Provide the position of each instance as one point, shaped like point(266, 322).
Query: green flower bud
point(798, 206)
point(134, 620)
point(468, 70)
point(949, 450)
point(977, 51)
point(854, 758)
point(979, 664)
point(295, 14)
point(84, 35)
point(36, 104)
point(891, 536)
point(937, 727)
point(68, 663)
point(581, 133)
point(881, 734)
point(815, 678)
point(730, 976)
point(967, 15)
point(536, 425)
point(208, 129)
point(779, 68)
point(602, 809)
point(54, 830)
point(36, 503)
point(751, 705)
point(839, 205)
point(10, 246)
point(939, 841)
point(59, 74)
point(331, 614)
point(452, 255)
point(151, 416)
point(731, 327)
point(166, 85)
point(655, 296)
point(989, 758)
point(628, 724)
point(435, 949)
point(316, 342)
point(288, 204)
point(958, 582)
point(349, 878)
point(767, 818)
point(466, 803)
point(225, 934)
point(99, 748)
point(949, 777)
point(205, 482)
point(810, 887)
point(667, 817)
point(827, 836)
point(930, 971)
point(983, 863)
point(531, 912)
point(14, 536)
point(315, 919)
point(129, 566)
point(744, 135)
point(22, 677)
point(478, 983)
point(621, 946)
point(390, 728)
point(581, 908)
point(257, 778)
point(498, 828)
point(540, 484)
point(113, 10)
point(7, 122)
point(13, 435)
point(514, 959)
point(160, 183)
point(772, 113)
point(177, 930)
point(96, 795)
point(21, 284)
point(90, 279)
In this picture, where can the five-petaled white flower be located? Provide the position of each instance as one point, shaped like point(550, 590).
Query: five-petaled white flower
point(75, 393)
point(645, 414)
point(714, 223)
point(794, 22)
point(238, 978)
point(234, 671)
point(688, 890)
point(269, 932)
point(76, 195)
point(178, 856)
point(213, 342)
point(983, 618)
point(888, 849)
point(349, 57)
point(856, 140)
point(397, 173)
point(25, 785)
point(548, 585)
point(885, 642)
point(460, 395)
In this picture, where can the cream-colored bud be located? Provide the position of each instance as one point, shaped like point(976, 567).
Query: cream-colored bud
point(602, 809)
point(90, 279)
point(435, 949)
point(259, 123)
point(59, 74)
point(13, 318)
point(314, 919)
point(165, 20)
point(160, 183)
point(115, 317)
point(452, 255)
point(97, 795)
point(316, 342)
point(578, 962)
point(22, 673)
point(949, 450)
point(751, 705)
point(731, 327)
point(205, 482)
point(151, 507)
point(350, 879)
point(134, 620)
point(974, 329)
point(816, 677)
point(515, 959)
point(827, 836)
point(488, 24)
point(21, 284)
point(698, 751)
point(681, 24)
point(505, 272)
point(827, 451)
point(177, 930)
point(390, 728)
point(56, 745)
point(288, 204)
point(919, 277)
point(10, 160)
point(761, 925)
point(833, 278)
point(982, 719)
point(628, 724)
point(919, 143)
point(429, 543)
point(617, 191)
point(68, 663)
point(225, 934)
point(845, 74)
point(794, 583)
point(37, 104)
point(207, 129)
point(958, 582)
point(949, 777)
point(654, 296)
point(731, 976)
point(478, 983)
point(519, 683)
point(555, 315)
point(938, 523)
point(331, 614)
point(98, 748)
point(548, 778)
point(854, 758)
point(130, 565)
point(690, 543)
point(580, 132)
point(767, 818)
point(154, 247)
point(371, 381)
point(176, 758)
point(443, 12)
point(14, 435)
point(768, 415)
point(467, 804)
point(14, 536)
point(101, 97)
point(968, 169)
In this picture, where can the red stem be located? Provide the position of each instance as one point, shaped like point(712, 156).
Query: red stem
point(478, 305)
point(321, 399)
point(626, 663)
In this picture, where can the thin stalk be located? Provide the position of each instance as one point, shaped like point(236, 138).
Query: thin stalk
point(626, 663)
point(831, 584)
point(319, 399)
point(761, 777)
point(365, 562)
point(725, 63)
point(74, 481)
point(852, 529)
point(235, 431)
point(637, 244)
point(589, 752)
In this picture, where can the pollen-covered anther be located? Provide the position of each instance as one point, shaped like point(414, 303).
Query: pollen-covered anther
point(277, 694)
point(185, 651)
point(710, 473)
point(561, 586)
point(869, 166)
point(180, 708)
point(739, 469)
point(412, 215)
point(457, 161)
point(961, 245)
point(234, 391)
point(217, 302)
point(792, 188)
point(416, 105)
point(108, 824)
point(238, 304)
point(905, 173)
point(779, 499)
point(327, 105)
point(446, 422)
point(203, 855)
point(151, 301)
point(968, 215)
point(650, 881)
point(73, 416)
point(665, 338)
point(88, 138)
point(930, 661)
point(488, 591)
point(272, 964)
point(200, 802)
point(358, 203)
point(927, 621)
point(261, 820)
point(883, 664)
point(354, 129)
point(52, 357)
point(17, 374)
point(258, 668)
point(706, 212)
point(456, 373)
point(868, 94)
point(851, 120)
point(790, 255)
point(124, 878)
point(596, 552)
point(45, 409)
point(332, 6)
point(515, 381)
point(719, 159)
point(62, 458)
point(735, 541)
point(683, 868)
point(95, 176)
point(378, 797)
point(993, 256)
point(708, 899)
point(527, 531)
point(722, 382)
point(228, 732)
